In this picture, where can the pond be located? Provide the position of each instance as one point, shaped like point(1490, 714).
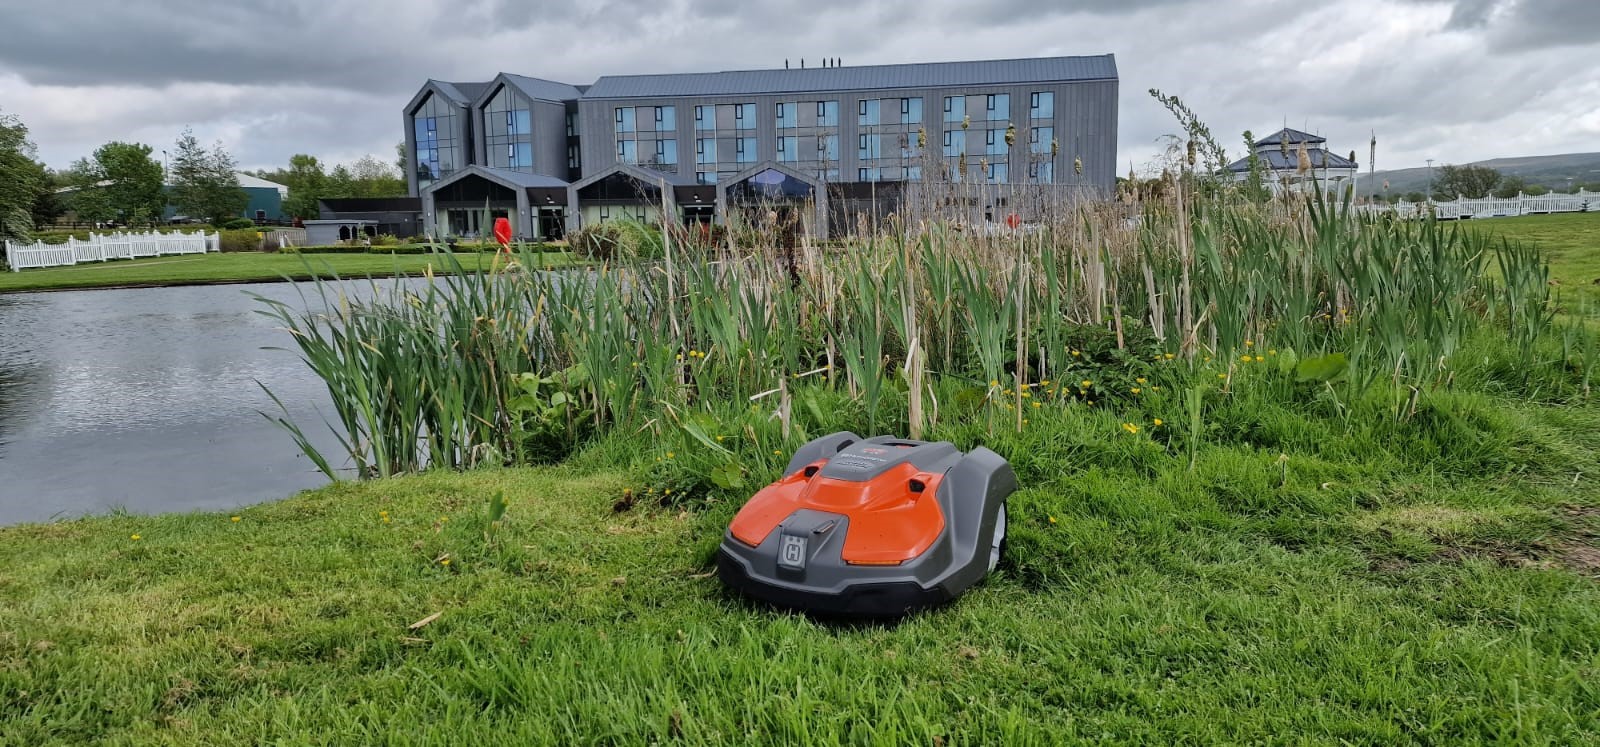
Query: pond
point(146, 400)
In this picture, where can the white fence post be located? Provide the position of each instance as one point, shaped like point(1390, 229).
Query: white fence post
point(103, 247)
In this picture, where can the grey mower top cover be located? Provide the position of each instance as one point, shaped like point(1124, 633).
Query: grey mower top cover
point(874, 527)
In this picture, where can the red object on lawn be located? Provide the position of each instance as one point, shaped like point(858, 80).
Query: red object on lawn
point(502, 232)
point(1013, 220)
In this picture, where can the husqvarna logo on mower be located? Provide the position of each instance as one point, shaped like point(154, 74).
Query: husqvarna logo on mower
point(792, 553)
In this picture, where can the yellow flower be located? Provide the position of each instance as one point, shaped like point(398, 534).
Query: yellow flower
point(719, 438)
point(1222, 376)
point(1075, 353)
point(1087, 383)
point(1155, 389)
point(1046, 382)
point(1157, 422)
point(680, 356)
point(1245, 358)
point(1052, 520)
point(1249, 343)
point(1170, 356)
point(1130, 427)
point(443, 519)
point(1272, 352)
point(1036, 405)
point(1259, 359)
point(1139, 380)
point(775, 451)
point(994, 383)
point(635, 364)
point(1135, 390)
point(235, 518)
point(670, 455)
point(1026, 395)
point(668, 491)
point(446, 561)
point(135, 538)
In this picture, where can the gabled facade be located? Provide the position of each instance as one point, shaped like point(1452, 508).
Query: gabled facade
point(1039, 121)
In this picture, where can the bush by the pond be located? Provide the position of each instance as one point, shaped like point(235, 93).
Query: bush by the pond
point(239, 241)
point(238, 224)
point(613, 240)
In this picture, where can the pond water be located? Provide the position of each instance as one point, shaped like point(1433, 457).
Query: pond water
point(146, 400)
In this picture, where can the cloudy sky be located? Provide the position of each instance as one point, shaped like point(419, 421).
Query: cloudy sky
point(1452, 80)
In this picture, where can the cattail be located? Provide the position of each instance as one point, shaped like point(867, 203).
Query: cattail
point(961, 165)
point(1386, 185)
point(922, 138)
point(966, 122)
point(1305, 160)
point(1011, 134)
point(1189, 156)
point(1352, 156)
point(1055, 147)
point(1077, 166)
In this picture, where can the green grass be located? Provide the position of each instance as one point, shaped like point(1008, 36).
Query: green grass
point(1376, 588)
point(231, 268)
point(1571, 241)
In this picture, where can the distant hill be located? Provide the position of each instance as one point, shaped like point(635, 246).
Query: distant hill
point(1549, 171)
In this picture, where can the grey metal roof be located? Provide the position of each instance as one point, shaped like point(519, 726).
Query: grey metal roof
point(539, 88)
point(865, 77)
point(1276, 161)
point(1294, 137)
point(471, 90)
point(514, 179)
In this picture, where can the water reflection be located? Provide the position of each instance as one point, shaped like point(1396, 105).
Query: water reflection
point(146, 400)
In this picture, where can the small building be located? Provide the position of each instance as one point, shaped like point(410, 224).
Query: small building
point(338, 231)
point(1280, 163)
point(397, 216)
point(266, 200)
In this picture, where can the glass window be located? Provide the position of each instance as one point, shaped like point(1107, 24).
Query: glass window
point(744, 117)
point(827, 114)
point(520, 155)
point(625, 119)
point(997, 172)
point(1042, 105)
point(666, 118)
point(869, 111)
point(627, 151)
point(914, 173)
point(910, 111)
point(705, 150)
point(705, 118)
point(667, 152)
point(786, 112)
point(955, 108)
point(870, 146)
point(828, 147)
point(572, 124)
point(955, 142)
point(745, 150)
point(994, 142)
point(705, 177)
point(999, 106)
point(434, 126)
point(1043, 172)
point(572, 156)
point(1039, 139)
point(789, 148)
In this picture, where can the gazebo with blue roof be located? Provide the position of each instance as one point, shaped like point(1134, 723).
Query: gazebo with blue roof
point(1279, 154)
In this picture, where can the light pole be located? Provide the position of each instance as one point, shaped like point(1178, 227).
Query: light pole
point(163, 167)
point(1430, 179)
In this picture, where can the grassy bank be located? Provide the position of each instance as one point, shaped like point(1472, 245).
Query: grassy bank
point(232, 268)
point(1368, 588)
point(1571, 241)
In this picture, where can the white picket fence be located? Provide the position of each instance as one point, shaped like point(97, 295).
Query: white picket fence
point(102, 247)
point(1495, 207)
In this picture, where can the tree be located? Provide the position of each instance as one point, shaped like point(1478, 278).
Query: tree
point(89, 200)
point(367, 177)
point(135, 191)
point(402, 161)
point(1510, 186)
point(1466, 181)
point(21, 183)
point(204, 183)
point(307, 184)
point(1415, 196)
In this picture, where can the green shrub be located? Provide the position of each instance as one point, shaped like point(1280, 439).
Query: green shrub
point(240, 241)
point(386, 239)
point(617, 239)
point(239, 224)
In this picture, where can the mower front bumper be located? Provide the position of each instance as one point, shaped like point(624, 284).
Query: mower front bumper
point(866, 599)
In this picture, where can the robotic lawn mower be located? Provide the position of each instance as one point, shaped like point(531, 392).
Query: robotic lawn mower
point(874, 527)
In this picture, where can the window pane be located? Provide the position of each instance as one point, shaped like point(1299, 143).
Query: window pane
point(1001, 106)
point(1044, 106)
point(955, 108)
point(666, 118)
point(521, 121)
point(1039, 139)
point(667, 151)
point(913, 113)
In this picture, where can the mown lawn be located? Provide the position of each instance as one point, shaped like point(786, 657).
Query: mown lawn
point(234, 267)
point(1571, 241)
point(1430, 584)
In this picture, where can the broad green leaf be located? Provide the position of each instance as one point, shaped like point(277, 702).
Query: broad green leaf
point(1320, 369)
